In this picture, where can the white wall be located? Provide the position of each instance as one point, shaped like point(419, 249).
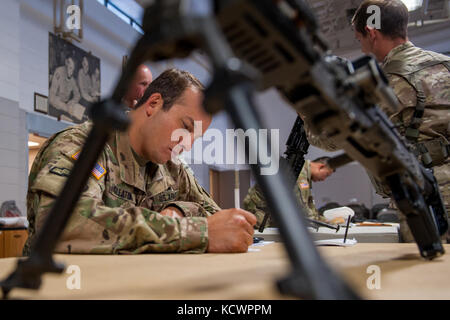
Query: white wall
point(12, 138)
point(13, 153)
point(105, 35)
point(24, 27)
point(9, 50)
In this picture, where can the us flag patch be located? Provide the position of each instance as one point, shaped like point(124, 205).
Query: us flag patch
point(304, 185)
point(98, 170)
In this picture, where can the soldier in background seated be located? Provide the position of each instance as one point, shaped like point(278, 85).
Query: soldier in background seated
point(312, 171)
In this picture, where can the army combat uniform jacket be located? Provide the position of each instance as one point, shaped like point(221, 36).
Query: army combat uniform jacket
point(303, 191)
point(421, 82)
point(256, 204)
point(118, 212)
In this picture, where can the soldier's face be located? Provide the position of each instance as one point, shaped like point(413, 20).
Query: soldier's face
point(319, 171)
point(364, 41)
point(160, 142)
point(141, 81)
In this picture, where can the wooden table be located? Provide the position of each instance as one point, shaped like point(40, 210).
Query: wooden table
point(252, 275)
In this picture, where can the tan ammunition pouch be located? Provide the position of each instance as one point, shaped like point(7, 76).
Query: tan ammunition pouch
point(432, 152)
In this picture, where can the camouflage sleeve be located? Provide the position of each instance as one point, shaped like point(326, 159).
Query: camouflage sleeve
point(405, 94)
point(255, 203)
point(302, 196)
point(96, 228)
point(308, 205)
point(196, 200)
point(318, 141)
point(303, 192)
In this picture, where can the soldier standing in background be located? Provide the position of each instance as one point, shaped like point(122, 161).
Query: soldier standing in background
point(421, 82)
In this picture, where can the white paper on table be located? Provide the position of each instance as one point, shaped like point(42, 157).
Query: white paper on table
point(336, 242)
point(253, 247)
point(261, 243)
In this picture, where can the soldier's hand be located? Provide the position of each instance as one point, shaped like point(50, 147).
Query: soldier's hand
point(230, 230)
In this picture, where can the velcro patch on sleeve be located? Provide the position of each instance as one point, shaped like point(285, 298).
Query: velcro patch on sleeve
point(98, 172)
point(62, 172)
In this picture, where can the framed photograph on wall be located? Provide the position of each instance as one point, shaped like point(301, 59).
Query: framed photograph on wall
point(74, 80)
point(40, 103)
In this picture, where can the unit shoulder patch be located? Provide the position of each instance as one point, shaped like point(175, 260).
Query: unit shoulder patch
point(62, 172)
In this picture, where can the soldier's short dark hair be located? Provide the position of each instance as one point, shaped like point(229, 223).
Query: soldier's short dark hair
point(170, 84)
point(323, 160)
point(394, 17)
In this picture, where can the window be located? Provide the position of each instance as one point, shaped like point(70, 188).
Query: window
point(127, 10)
point(412, 4)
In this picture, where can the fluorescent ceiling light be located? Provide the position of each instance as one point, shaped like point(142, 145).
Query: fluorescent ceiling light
point(412, 4)
point(32, 144)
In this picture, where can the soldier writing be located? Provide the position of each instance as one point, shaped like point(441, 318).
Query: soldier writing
point(137, 200)
point(312, 171)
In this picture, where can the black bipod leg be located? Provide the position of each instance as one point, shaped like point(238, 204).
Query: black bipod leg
point(107, 116)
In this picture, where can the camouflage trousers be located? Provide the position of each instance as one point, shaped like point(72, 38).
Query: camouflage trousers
point(442, 174)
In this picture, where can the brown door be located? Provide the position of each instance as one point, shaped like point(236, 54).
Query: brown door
point(12, 242)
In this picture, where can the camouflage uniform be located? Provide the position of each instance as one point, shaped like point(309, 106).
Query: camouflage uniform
point(256, 204)
point(326, 144)
point(421, 79)
point(118, 210)
point(303, 191)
